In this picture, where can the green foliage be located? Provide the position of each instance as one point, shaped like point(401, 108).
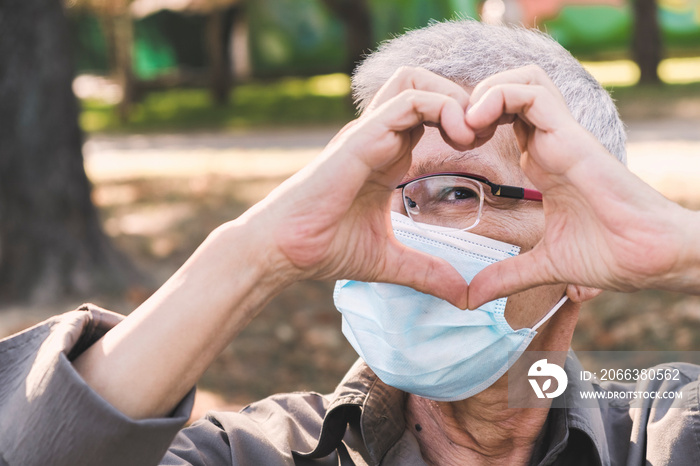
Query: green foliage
point(592, 31)
point(294, 37)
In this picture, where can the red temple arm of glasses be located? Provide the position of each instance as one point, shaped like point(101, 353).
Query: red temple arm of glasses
point(532, 195)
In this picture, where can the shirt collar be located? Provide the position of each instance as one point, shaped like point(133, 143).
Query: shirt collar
point(380, 409)
point(382, 420)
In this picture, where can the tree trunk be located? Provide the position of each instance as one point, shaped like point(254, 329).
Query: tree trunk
point(122, 43)
point(51, 242)
point(216, 51)
point(646, 42)
point(356, 17)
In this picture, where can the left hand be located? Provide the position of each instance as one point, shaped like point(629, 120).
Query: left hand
point(604, 227)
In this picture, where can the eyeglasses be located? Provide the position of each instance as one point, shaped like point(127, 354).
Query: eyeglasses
point(455, 200)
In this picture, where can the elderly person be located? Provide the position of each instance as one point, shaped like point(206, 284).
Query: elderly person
point(473, 191)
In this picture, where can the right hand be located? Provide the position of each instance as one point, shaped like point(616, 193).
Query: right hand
point(331, 220)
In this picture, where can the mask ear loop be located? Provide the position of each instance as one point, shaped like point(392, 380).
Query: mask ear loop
point(550, 313)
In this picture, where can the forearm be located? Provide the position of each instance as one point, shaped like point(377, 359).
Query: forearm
point(147, 363)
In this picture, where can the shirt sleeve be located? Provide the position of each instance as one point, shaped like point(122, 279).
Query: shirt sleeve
point(49, 415)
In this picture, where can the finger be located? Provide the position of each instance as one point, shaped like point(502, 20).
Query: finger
point(510, 276)
point(533, 103)
point(580, 294)
point(384, 139)
point(521, 130)
point(530, 74)
point(406, 78)
point(381, 143)
point(425, 273)
point(415, 107)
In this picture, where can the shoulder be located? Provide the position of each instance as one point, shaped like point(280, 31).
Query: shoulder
point(297, 410)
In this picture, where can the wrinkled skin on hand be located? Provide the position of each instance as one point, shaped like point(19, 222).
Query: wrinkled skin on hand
point(604, 227)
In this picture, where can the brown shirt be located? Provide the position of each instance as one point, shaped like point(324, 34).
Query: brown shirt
point(49, 416)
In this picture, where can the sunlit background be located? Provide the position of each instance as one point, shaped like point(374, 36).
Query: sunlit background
point(193, 110)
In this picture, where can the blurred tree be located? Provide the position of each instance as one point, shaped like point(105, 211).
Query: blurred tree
point(646, 41)
point(118, 27)
point(51, 242)
point(357, 21)
point(118, 22)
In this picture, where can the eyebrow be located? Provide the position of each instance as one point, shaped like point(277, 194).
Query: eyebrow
point(445, 162)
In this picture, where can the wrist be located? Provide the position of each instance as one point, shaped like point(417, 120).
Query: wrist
point(684, 276)
point(249, 241)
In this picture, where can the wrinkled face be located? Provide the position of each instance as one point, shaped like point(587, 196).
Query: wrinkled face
point(513, 221)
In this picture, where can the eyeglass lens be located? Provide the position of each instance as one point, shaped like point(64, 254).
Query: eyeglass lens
point(445, 200)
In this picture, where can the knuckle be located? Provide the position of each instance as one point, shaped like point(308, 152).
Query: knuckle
point(492, 89)
point(406, 75)
point(478, 92)
point(535, 73)
point(482, 86)
point(410, 96)
point(403, 73)
point(534, 69)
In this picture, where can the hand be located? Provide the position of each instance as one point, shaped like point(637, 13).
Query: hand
point(331, 220)
point(604, 227)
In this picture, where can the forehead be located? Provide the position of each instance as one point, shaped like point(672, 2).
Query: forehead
point(498, 159)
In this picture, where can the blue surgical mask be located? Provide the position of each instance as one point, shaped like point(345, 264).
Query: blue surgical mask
point(422, 344)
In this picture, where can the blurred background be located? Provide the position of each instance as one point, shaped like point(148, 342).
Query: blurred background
point(129, 129)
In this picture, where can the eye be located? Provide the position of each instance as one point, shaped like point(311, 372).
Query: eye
point(457, 193)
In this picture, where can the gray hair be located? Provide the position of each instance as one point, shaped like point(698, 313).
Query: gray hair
point(467, 52)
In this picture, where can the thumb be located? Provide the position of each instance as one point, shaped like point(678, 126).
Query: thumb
point(425, 273)
point(508, 277)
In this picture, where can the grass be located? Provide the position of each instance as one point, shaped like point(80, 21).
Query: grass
point(289, 101)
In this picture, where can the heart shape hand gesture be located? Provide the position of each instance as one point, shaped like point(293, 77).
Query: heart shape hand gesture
point(331, 220)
